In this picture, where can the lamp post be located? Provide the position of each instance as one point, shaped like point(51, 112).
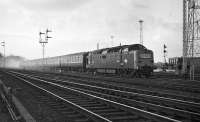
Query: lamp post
point(3, 45)
point(97, 45)
point(141, 31)
point(43, 42)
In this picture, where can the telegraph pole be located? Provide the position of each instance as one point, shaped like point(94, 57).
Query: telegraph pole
point(141, 31)
point(43, 42)
point(4, 61)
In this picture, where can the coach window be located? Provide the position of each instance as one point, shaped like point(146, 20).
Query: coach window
point(78, 59)
point(68, 59)
point(75, 60)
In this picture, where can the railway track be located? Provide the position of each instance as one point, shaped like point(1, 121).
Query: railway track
point(99, 108)
point(175, 109)
point(180, 95)
point(164, 86)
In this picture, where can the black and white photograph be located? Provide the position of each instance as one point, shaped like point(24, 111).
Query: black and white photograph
point(100, 61)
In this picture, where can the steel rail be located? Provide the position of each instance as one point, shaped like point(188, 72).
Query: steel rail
point(84, 87)
point(92, 115)
point(122, 106)
point(127, 92)
point(172, 96)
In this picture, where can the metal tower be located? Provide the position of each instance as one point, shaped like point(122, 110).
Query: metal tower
point(141, 31)
point(191, 33)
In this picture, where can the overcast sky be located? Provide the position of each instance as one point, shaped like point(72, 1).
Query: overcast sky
point(78, 25)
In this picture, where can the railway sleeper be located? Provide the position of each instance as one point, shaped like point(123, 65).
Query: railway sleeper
point(181, 117)
point(128, 118)
point(53, 103)
point(65, 109)
point(118, 113)
point(106, 111)
point(77, 118)
point(75, 98)
point(75, 115)
point(89, 104)
point(83, 120)
point(66, 112)
point(83, 101)
point(93, 106)
point(60, 107)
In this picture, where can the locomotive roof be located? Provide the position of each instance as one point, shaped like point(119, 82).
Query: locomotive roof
point(135, 47)
point(117, 49)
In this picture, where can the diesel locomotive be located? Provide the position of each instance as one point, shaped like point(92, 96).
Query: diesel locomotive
point(133, 60)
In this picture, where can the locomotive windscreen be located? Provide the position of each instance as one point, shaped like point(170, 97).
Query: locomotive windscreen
point(145, 55)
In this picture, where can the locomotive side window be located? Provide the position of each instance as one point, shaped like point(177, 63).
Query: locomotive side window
point(105, 52)
point(145, 55)
point(89, 58)
point(125, 50)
